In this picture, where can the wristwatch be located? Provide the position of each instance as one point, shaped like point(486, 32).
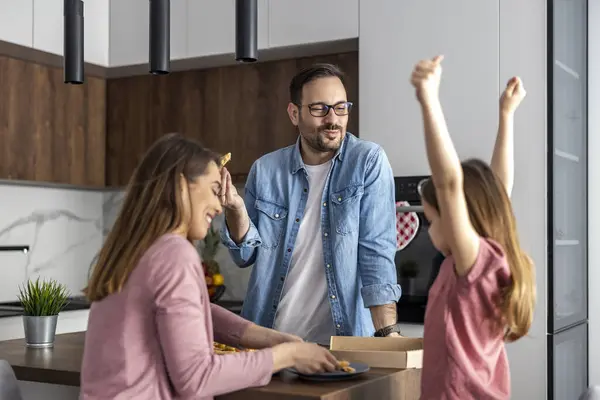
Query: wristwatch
point(383, 332)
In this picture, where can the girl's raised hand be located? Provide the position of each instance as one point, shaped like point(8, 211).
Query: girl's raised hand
point(512, 96)
point(426, 78)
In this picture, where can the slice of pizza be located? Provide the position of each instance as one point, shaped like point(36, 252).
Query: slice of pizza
point(345, 366)
point(224, 160)
point(220, 348)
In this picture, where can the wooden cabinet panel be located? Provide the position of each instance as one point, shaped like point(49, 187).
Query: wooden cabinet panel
point(241, 109)
point(50, 131)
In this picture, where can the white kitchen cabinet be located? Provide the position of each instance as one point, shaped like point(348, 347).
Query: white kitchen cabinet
point(48, 28)
point(16, 21)
point(117, 31)
point(394, 36)
point(179, 29)
point(293, 23)
point(130, 31)
point(96, 31)
point(211, 27)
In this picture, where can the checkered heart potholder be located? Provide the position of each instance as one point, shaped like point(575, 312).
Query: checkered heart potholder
point(407, 226)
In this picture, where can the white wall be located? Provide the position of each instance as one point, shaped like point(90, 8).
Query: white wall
point(485, 43)
point(594, 188)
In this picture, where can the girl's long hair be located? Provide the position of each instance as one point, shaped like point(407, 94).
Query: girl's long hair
point(491, 214)
point(152, 207)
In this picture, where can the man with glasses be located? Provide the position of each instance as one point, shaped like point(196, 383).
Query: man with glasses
point(318, 223)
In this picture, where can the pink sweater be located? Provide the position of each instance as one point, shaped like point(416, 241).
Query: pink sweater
point(464, 356)
point(153, 340)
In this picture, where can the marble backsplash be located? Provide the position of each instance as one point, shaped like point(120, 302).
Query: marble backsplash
point(62, 227)
point(65, 228)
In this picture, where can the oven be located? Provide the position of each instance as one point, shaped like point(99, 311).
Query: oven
point(417, 264)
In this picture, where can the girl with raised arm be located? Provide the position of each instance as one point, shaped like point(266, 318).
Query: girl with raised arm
point(484, 294)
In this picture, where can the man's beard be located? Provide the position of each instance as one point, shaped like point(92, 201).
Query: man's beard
point(317, 139)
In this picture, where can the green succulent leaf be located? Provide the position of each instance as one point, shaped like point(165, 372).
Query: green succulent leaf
point(43, 298)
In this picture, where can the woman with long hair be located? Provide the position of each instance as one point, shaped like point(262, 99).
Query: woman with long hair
point(484, 294)
point(151, 325)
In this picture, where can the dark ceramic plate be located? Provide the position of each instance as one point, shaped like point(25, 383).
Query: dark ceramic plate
point(334, 376)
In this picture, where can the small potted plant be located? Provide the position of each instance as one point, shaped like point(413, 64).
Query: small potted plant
point(42, 301)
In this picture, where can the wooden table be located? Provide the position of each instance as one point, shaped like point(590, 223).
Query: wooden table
point(62, 364)
point(377, 384)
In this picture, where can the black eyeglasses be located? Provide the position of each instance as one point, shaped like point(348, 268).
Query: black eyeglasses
point(321, 109)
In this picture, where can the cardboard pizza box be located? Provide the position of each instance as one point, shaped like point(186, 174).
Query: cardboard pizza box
point(387, 352)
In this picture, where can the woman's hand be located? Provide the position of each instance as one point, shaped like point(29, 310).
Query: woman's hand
point(259, 337)
point(306, 358)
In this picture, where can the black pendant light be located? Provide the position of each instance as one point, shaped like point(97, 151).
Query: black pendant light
point(246, 30)
point(73, 42)
point(160, 36)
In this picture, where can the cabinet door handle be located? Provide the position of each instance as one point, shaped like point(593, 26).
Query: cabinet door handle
point(409, 209)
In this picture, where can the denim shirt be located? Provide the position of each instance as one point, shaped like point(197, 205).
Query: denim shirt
point(358, 222)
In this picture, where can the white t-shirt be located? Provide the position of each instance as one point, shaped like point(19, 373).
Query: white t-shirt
point(304, 309)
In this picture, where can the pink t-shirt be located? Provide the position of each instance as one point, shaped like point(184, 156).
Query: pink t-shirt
point(464, 355)
point(154, 339)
